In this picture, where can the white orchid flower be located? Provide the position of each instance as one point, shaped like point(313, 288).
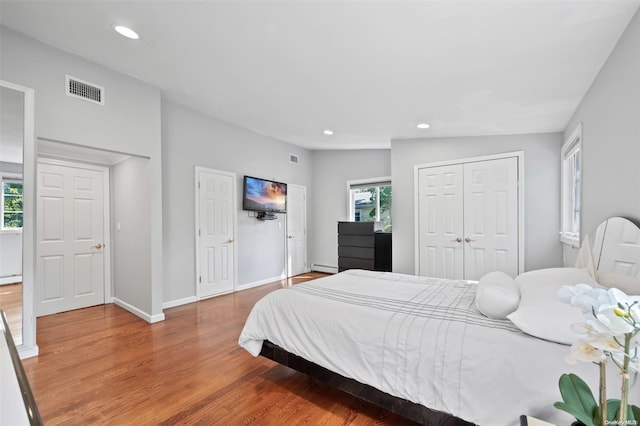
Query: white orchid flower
point(607, 343)
point(584, 351)
point(584, 296)
point(613, 322)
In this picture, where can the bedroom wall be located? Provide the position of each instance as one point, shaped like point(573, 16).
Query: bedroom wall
point(609, 113)
point(131, 232)
point(189, 139)
point(129, 122)
point(331, 171)
point(541, 187)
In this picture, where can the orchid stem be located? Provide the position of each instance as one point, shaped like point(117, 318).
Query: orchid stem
point(624, 393)
point(603, 392)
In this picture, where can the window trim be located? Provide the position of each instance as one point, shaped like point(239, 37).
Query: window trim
point(568, 186)
point(364, 183)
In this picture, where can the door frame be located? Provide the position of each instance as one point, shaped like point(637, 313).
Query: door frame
point(306, 240)
point(106, 226)
point(519, 155)
point(234, 202)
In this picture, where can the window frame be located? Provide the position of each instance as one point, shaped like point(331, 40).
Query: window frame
point(8, 177)
point(366, 183)
point(571, 188)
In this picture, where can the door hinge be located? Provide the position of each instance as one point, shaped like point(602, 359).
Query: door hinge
point(199, 232)
point(200, 280)
point(198, 184)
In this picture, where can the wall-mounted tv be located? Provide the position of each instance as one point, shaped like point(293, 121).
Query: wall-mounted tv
point(264, 195)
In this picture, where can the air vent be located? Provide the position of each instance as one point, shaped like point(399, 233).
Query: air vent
point(84, 90)
point(293, 159)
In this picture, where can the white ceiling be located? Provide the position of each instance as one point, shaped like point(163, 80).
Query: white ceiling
point(368, 70)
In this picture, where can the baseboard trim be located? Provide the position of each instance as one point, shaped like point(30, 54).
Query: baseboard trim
point(28, 351)
point(324, 268)
point(179, 302)
point(137, 312)
point(14, 279)
point(258, 283)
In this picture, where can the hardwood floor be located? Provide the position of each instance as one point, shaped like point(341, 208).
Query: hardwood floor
point(103, 365)
point(11, 304)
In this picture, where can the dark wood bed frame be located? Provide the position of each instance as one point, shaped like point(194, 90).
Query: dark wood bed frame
point(407, 409)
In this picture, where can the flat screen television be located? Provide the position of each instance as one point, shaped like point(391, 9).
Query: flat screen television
point(262, 195)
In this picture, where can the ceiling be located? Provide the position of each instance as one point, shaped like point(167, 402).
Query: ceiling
point(368, 70)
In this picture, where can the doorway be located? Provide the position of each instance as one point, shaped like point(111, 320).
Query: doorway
point(73, 236)
point(469, 217)
point(215, 232)
point(296, 230)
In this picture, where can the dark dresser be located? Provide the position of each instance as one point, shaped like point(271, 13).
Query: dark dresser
point(363, 245)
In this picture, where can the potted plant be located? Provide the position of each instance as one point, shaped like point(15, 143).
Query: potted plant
point(609, 334)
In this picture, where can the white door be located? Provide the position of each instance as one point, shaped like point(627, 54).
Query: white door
point(296, 229)
point(491, 217)
point(70, 237)
point(440, 226)
point(215, 232)
point(468, 219)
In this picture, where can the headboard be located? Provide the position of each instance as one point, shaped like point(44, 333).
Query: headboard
point(616, 254)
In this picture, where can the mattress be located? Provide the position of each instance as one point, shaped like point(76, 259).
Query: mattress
point(417, 338)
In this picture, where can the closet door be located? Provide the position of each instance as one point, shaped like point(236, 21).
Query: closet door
point(440, 224)
point(468, 219)
point(490, 217)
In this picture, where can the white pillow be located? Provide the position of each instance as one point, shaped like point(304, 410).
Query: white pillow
point(497, 295)
point(630, 285)
point(540, 312)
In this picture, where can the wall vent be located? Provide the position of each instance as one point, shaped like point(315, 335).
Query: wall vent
point(293, 159)
point(84, 90)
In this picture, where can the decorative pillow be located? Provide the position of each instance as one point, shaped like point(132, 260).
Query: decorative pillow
point(540, 312)
point(497, 295)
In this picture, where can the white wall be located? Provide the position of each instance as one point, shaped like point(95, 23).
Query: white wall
point(189, 139)
point(10, 255)
point(610, 114)
point(329, 202)
point(129, 122)
point(131, 232)
point(541, 187)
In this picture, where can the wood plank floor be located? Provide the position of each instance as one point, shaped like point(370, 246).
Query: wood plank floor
point(11, 304)
point(105, 366)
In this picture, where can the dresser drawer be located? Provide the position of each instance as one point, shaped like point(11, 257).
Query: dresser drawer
point(354, 263)
point(358, 252)
point(356, 240)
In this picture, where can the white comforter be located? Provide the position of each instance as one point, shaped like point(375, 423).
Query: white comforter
point(417, 338)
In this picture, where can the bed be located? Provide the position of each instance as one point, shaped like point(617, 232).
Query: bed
point(421, 347)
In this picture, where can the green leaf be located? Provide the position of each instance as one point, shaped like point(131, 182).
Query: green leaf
point(634, 413)
point(577, 399)
point(613, 405)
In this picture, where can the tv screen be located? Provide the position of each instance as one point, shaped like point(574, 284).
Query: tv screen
point(263, 195)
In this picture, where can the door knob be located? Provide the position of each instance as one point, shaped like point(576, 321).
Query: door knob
point(97, 246)
point(290, 236)
point(457, 240)
point(230, 240)
point(468, 240)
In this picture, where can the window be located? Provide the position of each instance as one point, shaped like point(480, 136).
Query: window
point(11, 204)
point(571, 175)
point(370, 201)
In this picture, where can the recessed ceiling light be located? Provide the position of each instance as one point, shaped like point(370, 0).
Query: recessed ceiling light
point(328, 132)
point(423, 126)
point(127, 32)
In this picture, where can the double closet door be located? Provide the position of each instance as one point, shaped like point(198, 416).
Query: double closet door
point(468, 219)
